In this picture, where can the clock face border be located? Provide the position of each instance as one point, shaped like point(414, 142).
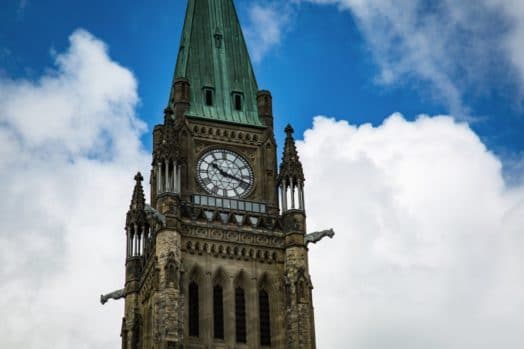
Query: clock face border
point(210, 174)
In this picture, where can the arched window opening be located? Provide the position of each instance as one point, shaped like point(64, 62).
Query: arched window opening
point(218, 312)
point(194, 330)
point(265, 319)
point(240, 315)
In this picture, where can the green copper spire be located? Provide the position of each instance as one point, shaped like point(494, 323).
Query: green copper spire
point(213, 56)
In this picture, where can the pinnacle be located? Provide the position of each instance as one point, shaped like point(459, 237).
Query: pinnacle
point(138, 177)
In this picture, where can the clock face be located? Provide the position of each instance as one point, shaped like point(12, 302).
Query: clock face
point(225, 173)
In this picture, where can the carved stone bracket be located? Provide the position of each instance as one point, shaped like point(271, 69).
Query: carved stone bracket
point(319, 235)
point(116, 295)
point(154, 216)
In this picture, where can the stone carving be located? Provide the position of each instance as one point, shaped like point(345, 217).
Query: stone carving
point(319, 235)
point(172, 271)
point(116, 295)
point(155, 216)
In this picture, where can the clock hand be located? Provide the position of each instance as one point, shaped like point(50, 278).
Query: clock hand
point(225, 174)
point(221, 171)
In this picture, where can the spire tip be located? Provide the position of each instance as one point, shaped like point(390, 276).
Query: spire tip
point(289, 130)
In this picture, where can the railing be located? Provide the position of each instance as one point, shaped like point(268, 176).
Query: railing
point(229, 204)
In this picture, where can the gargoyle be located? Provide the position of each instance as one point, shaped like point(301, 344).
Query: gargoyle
point(113, 295)
point(319, 235)
point(154, 215)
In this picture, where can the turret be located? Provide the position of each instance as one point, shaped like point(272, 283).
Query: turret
point(265, 107)
point(291, 177)
point(136, 223)
point(167, 161)
point(180, 96)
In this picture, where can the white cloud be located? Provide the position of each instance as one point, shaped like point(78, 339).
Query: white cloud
point(428, 251)
point(69, 148)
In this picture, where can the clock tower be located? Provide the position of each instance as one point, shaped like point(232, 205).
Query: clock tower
point(219, 257)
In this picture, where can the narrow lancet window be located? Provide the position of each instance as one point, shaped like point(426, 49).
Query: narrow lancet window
point(240, 315)
point(208, 96)
point(265, 318)
point(237, 101)
point(218, 312)
point(194, 330)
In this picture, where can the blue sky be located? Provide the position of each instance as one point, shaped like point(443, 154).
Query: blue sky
point(321, 64)
point(428, 211)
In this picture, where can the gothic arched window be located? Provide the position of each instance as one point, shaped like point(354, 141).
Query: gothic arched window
point(194, 330)
point(218, 312)
point(240, 315)
point(265, 318)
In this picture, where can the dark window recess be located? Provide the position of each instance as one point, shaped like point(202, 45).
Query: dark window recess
point(208, 95)
point(265, 322)
point(193, 310)
point(237, 100)
point(240, 315)
point(218, 312)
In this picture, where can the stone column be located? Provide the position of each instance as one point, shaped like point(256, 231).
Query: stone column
point(292, 190)
point(284, 196)
point(159, 178)
point(179, 178)
point(166, 189)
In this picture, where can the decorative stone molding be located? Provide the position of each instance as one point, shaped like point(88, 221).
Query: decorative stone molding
point(231, 251)
point(243, 237)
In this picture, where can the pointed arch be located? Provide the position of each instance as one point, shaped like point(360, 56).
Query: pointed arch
point(220, 277)
point(303, 286)
point(172, 269)
point(265, 283)
point(241, 279)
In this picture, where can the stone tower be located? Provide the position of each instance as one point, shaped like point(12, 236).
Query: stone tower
point(219, 258)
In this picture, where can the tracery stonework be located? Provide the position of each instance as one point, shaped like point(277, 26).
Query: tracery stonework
point(219, 257)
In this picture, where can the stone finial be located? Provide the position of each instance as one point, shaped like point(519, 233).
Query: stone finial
point(289, 131)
